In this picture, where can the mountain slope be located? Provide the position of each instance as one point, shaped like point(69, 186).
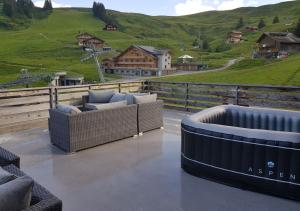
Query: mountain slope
point(282, 72)
point(50, 45)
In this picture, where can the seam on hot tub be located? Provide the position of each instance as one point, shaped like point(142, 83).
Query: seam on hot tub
point(241, 173)
point(233, 140)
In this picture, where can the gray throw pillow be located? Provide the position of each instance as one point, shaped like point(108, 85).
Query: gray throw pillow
point(68, 109)
point(5, 176)
point(130, 97)
point(106, 106)
point(16, 194)
point(145, 99)
point(102, 96)
point(117, 98)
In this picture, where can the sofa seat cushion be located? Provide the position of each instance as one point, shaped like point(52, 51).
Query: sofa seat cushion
point(106, 106)
point(5, 176)
point(16, 194)
point(68, 109)
point(145, 99)
point(102, 96)
point(130, 97)
point(117, 97)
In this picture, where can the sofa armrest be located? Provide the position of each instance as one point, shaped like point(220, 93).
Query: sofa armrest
point(59, 129)
point(42, 199)
point(8, 158)
point(150, 116)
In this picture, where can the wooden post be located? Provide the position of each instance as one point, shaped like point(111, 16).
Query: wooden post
point(143, 84)
point(56, 96)
point(51, 97)
point(237, 95)
point(186, 96)
point(120, 88)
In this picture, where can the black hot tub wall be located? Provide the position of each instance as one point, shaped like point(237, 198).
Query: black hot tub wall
point(261, 165)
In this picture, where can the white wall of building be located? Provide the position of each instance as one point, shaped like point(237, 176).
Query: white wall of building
point(164, 61)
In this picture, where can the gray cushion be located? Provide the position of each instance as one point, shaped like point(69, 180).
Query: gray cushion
point(5, 176)
point(117, 97)
point(16, 194)
point(106, 106)
point(130, 97)
point(100, 96)
point(145, 99)
point(68, 109)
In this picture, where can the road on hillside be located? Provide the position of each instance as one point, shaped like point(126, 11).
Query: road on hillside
point(226, 66)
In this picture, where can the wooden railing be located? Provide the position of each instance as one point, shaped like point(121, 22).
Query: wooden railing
point(198, 96)
point(22, 109)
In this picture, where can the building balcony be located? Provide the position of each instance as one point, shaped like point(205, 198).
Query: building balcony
point(138, 173)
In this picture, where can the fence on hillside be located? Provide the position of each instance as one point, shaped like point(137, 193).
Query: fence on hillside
point(197, 96)
point(22, 109)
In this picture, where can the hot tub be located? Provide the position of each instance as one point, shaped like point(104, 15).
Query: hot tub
point(250, 148)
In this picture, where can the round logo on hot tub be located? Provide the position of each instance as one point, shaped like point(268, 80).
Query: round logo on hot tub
point(271, 164)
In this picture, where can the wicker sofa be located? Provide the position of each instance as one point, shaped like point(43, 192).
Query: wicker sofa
point(149, 115)
point(42, 199)
point(73, 133)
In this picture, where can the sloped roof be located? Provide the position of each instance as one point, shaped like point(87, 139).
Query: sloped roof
point(84, 34)
point(283, 37)
point(94, 38)
point(152, 50)
point(185, 57)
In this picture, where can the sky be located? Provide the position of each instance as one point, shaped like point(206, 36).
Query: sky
point(163, 7)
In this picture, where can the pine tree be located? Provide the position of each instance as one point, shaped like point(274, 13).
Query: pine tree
point(205, 45)
point(25, 7)
point(9, 8)
point(297, 30)
point(48, 5)
point(261, 24)
point(275, 20)
point(240, 24)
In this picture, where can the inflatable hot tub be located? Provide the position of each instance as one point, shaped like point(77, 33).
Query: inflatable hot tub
point(249, 148)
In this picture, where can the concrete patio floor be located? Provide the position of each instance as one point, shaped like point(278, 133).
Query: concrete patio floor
point(136, 174)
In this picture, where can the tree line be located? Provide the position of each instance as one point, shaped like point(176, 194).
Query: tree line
point(240, 24)
point(263, 24)
point(99, 11)
point(23, 8)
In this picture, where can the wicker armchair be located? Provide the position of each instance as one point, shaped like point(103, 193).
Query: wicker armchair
point(73, 133)
point(8, 158)
point(150, 116)
point(42, 200)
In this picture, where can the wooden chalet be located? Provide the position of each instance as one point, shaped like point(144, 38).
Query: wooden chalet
point(272, 44)
point(84, 36)
point(87, 40)
point(140, 61)
point(234, 37)
point(110, 27)
point(94, 42)
point(251, 28)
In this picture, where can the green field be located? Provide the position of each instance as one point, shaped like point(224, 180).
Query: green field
point(49, 44)
point(280, 72)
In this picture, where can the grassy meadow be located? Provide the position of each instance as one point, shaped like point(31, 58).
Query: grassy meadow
point(49, 45)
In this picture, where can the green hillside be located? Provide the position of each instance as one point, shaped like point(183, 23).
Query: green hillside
point(280, 72)
point(49, 44)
